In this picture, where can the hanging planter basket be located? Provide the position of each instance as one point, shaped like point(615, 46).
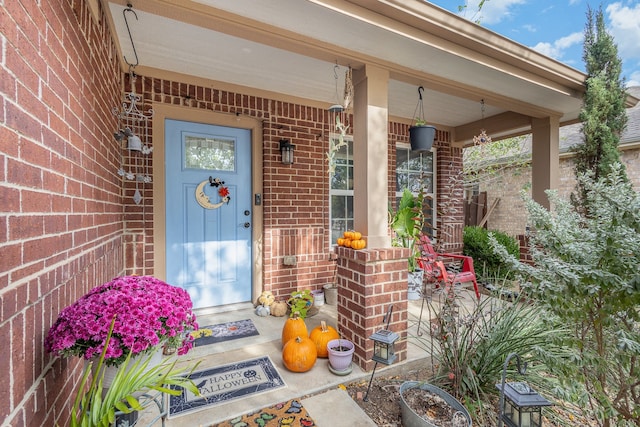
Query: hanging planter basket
point(422, 137)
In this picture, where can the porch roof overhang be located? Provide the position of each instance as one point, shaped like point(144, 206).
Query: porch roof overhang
point(289, 48)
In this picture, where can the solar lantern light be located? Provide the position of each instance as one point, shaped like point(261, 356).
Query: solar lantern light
point(520, 405)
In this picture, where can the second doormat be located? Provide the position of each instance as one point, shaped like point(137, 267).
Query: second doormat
point(286, 414)
point(225, 383)
point(224, 332)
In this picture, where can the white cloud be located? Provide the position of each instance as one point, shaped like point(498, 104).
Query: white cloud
point(493, 11)
point(634, 79)
point(530, 28)
point(624, 26)
point(557, 48)
point(572, 2)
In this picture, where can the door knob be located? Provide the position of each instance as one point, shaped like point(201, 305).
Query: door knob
point(247, 224)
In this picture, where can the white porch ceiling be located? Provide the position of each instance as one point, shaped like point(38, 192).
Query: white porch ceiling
point(290, 47)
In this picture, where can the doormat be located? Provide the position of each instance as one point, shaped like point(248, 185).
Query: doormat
point(289, 414)
point(225, 383)
point(224, 332)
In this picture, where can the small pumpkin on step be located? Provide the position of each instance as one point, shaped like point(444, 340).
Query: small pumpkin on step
point(299, 354)
point(263, 310)
point(321, 336)
point(294, 327)
point(279, 308)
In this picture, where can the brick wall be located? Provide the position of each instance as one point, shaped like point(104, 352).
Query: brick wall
point(61, 217)
point(369, 282)
point(510, 215)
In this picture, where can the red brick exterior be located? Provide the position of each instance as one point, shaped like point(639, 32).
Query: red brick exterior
point(61, 223)
point(369, 281)
point(68, 223)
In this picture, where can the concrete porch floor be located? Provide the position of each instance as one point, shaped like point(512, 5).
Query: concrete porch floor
point(317, 388)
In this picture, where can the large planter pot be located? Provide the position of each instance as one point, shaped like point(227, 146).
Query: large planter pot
point(414, 290)
point(411, 418)
point(111, 371)
point(421, 137)
point(340, 355)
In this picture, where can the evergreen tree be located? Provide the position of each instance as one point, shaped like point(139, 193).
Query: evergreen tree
point(603, 114)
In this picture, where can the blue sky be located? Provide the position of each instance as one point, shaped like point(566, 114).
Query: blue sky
point(556, 27)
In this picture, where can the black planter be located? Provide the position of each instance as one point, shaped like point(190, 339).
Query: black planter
point(421, 137)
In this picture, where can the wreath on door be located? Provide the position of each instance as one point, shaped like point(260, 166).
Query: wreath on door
point(204, 200)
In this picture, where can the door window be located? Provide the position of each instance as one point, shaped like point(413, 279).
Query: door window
point(207, 153)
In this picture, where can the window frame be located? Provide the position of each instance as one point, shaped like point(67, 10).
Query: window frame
point(434, 194)
point(341, 192)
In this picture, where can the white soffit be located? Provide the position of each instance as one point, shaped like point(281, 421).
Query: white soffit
point(174, 45)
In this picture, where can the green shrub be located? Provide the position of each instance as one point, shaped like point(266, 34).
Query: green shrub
point(487, 263)
point(469, 348)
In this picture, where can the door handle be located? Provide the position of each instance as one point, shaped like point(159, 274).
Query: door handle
point(247, 224)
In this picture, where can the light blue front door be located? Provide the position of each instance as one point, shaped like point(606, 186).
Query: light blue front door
point(208, 241)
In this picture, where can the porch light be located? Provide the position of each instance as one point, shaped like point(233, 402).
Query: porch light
point(520, 405)
point(286, 151)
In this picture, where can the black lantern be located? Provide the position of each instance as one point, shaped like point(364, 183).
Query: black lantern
point(383, 346)
point(520, 405)
point(286, 150)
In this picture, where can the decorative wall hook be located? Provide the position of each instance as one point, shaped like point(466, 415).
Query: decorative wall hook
point(124, 14)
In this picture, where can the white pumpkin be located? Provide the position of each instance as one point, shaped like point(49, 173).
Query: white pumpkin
point(263, 310)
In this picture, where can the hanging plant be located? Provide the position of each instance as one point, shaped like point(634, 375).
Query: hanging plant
point(421, 135)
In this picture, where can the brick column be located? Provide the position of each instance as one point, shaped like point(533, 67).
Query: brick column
point(369, 281)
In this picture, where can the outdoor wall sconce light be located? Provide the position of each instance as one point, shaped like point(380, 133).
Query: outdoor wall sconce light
point(383, 347)
point(520, 405)
point(286, 151)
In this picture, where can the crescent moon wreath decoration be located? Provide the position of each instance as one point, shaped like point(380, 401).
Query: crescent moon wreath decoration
point(204, 201)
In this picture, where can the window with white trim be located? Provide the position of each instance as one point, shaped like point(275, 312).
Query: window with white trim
point(341, 191)
point(415, 171)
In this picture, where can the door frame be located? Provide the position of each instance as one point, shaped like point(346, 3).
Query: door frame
point(162, 112)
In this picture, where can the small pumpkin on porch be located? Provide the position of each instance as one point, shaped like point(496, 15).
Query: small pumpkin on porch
point(279, 308)
point(358, 244)
point(321, 336)
point(294, 327)
point(299, 354)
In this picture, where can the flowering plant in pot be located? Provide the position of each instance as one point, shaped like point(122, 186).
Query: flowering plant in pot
point(148, 311)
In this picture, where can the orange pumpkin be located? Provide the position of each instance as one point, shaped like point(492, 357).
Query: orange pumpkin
point(358, 244)
point(347, 243)
point(299, 354)
point(321, 336)
point(294, 327)
point(348, 234)
point(340, 241)
point(356, 235)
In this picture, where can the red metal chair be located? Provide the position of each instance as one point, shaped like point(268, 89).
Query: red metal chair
point(435, 271)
